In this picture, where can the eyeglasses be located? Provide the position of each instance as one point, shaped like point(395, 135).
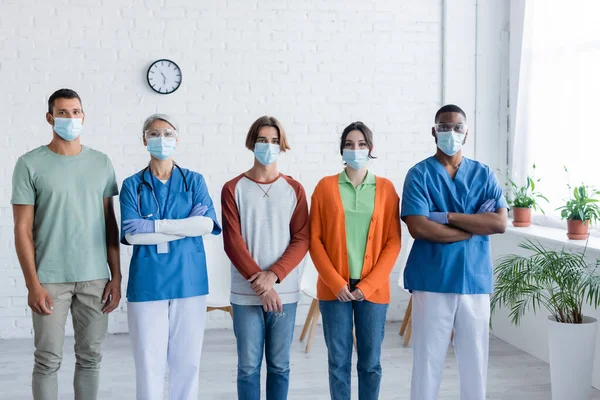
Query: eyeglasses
point(458, 128)
point(167, 133)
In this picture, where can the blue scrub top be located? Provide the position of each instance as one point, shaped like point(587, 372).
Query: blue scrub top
point(182, 271)
point(463, 267)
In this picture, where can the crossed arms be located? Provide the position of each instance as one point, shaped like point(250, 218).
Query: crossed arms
point(460, 226)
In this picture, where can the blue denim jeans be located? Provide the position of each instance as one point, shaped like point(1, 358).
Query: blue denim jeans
point(369, 320)
point(259, 332)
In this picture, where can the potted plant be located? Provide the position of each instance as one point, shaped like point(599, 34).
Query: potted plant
point(580, 211)
point(523, 199)
point(560, 281)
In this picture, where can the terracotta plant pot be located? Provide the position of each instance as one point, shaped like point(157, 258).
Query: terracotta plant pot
point(521, 217)
point(578, 230)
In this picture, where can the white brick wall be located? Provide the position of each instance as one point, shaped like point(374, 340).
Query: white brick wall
point(316, 65)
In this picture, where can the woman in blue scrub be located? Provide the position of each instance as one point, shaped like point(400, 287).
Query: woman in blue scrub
point(165, 210)
point(451, 205)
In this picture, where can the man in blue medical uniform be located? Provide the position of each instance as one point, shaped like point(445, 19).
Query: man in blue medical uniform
point(451, 204)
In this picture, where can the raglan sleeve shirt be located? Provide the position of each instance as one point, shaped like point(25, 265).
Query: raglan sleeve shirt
point(299, 237)
point(233, 241)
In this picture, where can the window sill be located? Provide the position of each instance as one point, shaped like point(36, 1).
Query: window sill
point(555, 235)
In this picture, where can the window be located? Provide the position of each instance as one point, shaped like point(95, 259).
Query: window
point(559, 97)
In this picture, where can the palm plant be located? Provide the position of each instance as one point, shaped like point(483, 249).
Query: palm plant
point(559, 281)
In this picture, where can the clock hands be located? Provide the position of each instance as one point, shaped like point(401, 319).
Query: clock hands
point(167, 85)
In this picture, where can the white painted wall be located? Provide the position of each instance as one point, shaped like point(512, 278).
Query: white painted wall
point(532, 334)
point(316, 65)
point(516, 21)
point(475, 71)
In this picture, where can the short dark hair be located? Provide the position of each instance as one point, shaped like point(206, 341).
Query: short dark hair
point(449, 108)
point(357, 126)
point(63, 94)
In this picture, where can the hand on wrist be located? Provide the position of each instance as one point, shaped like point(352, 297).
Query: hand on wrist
point(273, 276)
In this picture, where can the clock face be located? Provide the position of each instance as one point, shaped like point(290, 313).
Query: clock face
point(164, 76)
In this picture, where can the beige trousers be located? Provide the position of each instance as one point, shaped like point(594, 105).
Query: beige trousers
point(90, 324)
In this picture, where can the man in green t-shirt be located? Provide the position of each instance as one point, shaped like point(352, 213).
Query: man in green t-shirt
point(65, 235)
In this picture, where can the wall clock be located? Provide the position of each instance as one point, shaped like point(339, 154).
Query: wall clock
point(164, 76)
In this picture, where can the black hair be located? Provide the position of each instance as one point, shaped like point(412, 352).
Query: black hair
point(449, 108)
point(63, 94)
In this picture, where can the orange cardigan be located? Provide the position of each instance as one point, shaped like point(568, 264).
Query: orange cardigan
point(328, 248)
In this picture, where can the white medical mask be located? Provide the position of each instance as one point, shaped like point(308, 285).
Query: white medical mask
point(161, 148)
point(355, 158)
point(68, 128)
point(450, 142)
point(266, 153)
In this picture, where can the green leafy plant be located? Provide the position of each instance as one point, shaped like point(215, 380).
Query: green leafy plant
point(582, 204)
point(559, 281)
point(525, 196)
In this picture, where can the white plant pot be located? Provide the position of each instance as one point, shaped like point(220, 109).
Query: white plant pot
point(572, 348)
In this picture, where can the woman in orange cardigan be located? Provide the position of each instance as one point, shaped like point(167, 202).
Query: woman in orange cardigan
point(354, 243)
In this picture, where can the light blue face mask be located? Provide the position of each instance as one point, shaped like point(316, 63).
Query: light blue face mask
point(450, 142)
point(266, 153)
point(68, 128)
point(161, 148)
point(356, 159)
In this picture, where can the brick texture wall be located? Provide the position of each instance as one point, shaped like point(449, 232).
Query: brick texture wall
point(316, 65)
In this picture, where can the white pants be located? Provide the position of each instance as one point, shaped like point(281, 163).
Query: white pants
point(167, 332)
point(434, 315)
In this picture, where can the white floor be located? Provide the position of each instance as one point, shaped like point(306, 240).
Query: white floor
point(513, 375)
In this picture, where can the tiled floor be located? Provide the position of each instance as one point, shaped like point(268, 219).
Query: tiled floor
point(513, 375)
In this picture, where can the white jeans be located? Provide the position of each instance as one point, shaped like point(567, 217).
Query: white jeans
point(434, 315)
point(167, 332)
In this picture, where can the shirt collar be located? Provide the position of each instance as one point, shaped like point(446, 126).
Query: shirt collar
point(369, 179)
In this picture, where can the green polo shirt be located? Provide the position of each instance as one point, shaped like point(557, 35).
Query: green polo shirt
point(359, 203)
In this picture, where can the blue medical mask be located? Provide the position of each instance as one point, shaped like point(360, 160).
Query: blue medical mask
point(450, 142)
point(266, 153)
point(68, 128)
point(356, 158)
point(161, 148)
